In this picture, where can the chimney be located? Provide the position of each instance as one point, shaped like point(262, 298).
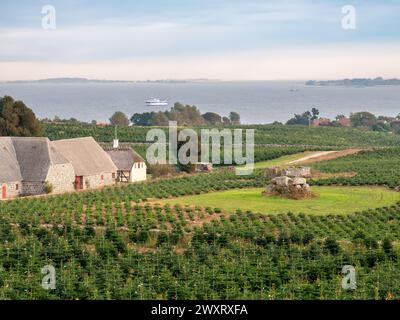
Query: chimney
point(115, 143)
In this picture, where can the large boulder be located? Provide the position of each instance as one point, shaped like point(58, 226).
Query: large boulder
point(297, 172)
point(270, 188)
point(281, 181)
point(295, 188)
point(298, 181)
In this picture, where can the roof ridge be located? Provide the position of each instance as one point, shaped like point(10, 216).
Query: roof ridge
point(117, 149)
point(77, 138)
point(9, 141)
point(29, 138)
point(48, 151)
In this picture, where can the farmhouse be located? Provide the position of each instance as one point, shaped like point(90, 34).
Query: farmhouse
point(33, 166)
point(321, 122)
point(28, 164)
point(131, 166)
point(93, 167)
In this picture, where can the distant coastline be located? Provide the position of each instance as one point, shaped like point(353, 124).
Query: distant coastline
point(86, 80)
point(361, 82)
point(255, 101)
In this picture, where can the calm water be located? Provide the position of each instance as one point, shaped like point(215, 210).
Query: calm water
point(256, 102)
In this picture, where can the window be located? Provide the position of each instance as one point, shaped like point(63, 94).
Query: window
point(113, 175)
point(16, 186)
point(102, 177)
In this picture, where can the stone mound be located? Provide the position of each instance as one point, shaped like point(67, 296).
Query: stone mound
point(295, 188)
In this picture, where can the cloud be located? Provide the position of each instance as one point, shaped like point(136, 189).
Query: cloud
point(336, 61)
point(171, 39)
point(88, 43)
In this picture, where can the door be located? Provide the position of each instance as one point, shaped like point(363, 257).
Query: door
point(4, 192)
point(79, 182)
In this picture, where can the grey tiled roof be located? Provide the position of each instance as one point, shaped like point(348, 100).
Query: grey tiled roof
point(35, 156)
point(9, 167)
point(124, 158)
point(86, 156)
point(28, 159)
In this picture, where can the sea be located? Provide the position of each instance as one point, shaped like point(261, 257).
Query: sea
point(257, 102)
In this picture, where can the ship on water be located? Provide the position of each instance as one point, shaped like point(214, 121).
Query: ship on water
point(151, 102)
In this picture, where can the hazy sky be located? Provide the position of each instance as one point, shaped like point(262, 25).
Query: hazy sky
point(217, 39)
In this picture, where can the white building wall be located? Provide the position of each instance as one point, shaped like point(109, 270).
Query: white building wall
point(138, 172)
point(61, 177)
point(95, 181)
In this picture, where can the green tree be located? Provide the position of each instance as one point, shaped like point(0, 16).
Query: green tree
point(16, 119)
point(212, 118)
point(234, 117)
point(143, 119)
point(302, 119)
point(226, 121)
point(315, 113)
point(363, 119)
point(185, 114)
point(119, 119)
point(160, 119)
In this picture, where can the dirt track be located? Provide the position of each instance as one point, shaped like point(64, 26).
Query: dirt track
point(324, 155)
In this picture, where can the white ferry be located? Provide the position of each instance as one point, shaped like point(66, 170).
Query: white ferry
point(156, 102)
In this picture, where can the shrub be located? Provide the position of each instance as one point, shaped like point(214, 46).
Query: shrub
point(331, 246)
point(48, 187)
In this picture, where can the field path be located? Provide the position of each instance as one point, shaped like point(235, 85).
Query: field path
point(324, 155)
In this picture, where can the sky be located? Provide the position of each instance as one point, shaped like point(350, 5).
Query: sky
point(190, 39)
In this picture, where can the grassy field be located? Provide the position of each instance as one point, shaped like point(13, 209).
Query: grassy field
point(331, 200)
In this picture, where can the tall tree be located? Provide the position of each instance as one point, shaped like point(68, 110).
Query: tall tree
point(16, 119)
point(314, 113)
point(212, 118)
point(119, 119)
point(143, 119)
point(226, 121)
point(302, 119)
point(363, 119)
point(234, 117)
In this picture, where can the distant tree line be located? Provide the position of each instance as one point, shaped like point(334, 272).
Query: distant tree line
point(304, 118)
point(57, 119)
point(184, 115)
point(363, 82)
point(370, 121)
point(363, 119)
